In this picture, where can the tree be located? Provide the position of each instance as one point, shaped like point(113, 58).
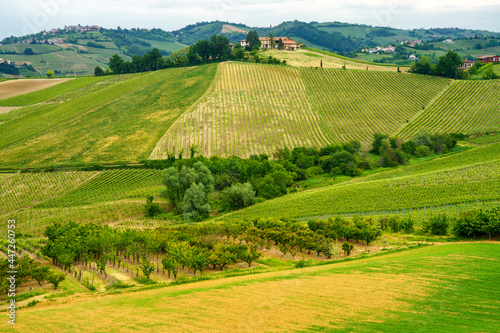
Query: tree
point(281, 46)
point(251, 255)
point(56, 278)
point(115, 64)
point(28, 51)
point(178, 182)
point(489, 74)
point(50, 74)
point(146, 267)
point(219, 48)
point(347, 248)
point(377, 142)
point(423, 66)
point(448, 64)
point(239, 196)
point(272, 41)
point(195, 204)
point(98, 71)
point(40, 273)
point(253, 40)
point(151, 209)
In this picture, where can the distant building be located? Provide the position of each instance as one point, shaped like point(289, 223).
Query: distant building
point(489, 58)
point(412, 57)
point(266, 42)
point(448, 41)
point(232, 46)
point(467, 64)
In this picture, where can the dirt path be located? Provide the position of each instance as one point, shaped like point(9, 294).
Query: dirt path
point(13, 88)
point(5, 109)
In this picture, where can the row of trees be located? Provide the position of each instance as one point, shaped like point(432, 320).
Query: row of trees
point(216, 49)
point(27, 269)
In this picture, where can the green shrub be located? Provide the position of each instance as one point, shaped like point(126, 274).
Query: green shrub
point(423, 151)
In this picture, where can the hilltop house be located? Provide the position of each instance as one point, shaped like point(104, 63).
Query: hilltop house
point(489, 58)
point(467, 64)
point(266, 42)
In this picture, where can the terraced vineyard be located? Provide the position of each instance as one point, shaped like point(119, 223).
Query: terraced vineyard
point(424, 185)
point(466, 107)
point(356, 104)
point(26, 190)
point(253, 109)
point(110, 185)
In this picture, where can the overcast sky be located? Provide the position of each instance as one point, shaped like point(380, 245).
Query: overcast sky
point(18, 17)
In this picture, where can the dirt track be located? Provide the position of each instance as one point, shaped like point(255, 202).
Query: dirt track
point(13, 88)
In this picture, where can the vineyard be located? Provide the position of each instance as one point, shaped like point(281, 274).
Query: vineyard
point(467, 179)
point(466, 107)
point(120, 122)
point(254, 109)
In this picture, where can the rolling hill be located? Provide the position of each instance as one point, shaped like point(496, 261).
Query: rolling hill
point(80, 52)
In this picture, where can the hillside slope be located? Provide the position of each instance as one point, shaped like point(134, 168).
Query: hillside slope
point(118, 122)
point(254, 109)
point(469, 176)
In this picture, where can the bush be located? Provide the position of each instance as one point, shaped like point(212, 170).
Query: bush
point(437, 225)
point(151, 209)
point(423, 151)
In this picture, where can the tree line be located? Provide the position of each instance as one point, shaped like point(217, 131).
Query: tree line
point(217, 49)
point(242, 182)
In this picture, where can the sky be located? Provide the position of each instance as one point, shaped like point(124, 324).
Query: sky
point(20, 17)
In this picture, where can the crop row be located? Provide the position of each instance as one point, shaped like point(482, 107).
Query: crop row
point(466, 107)
point(110, 185)
point(254, 109)
point(356, 104)
point(463, 184)
point(25, 190)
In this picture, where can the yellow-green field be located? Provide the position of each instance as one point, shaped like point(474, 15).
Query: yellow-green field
point(445, 288)
point(309, 58)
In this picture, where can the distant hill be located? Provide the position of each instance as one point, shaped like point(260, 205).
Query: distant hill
point(77, 50)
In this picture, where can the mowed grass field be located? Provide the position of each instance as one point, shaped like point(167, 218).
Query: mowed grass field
point(252, 109)
point(470, 176)
point(309, 58)
point(19, 87)
point(442, 288)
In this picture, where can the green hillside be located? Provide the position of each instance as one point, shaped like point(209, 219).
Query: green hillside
point(442, 288)
point(470, 176)
point(119, 122)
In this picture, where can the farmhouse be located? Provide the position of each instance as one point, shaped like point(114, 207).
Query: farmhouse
point(489, 58)
point(412, 57)
point(448, 41)
point(467, 64)
point(266, 42)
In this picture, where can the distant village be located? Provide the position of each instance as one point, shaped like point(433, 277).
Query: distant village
point(51, 41)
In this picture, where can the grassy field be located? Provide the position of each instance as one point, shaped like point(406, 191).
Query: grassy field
point(310, 58)
point(466, 107)
point(121, 122)
point(445, 288)
point(471, 176)
point(252, 109)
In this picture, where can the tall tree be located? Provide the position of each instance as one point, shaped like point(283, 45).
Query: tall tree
point(281, 45)
point(448, 64)
point(253, 40)
point(273, 42)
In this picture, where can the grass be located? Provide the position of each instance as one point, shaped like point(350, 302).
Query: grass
point(485, 139)
point(121, 122)
point(313, 58)
point(442, 288)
